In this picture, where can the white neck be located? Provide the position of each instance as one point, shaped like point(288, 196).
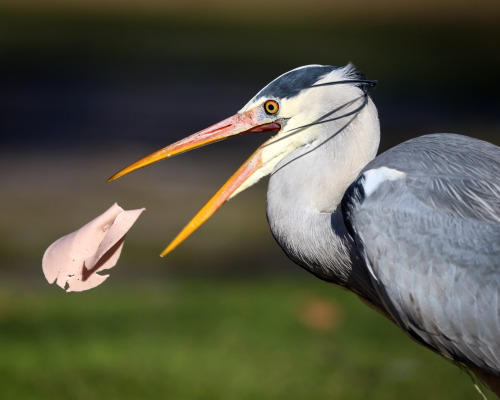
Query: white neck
point(306, 188)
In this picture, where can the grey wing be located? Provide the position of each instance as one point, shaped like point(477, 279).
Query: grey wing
point(426, 218)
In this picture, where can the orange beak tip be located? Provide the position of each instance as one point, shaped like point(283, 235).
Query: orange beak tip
point(167, 250)
point(115, 176)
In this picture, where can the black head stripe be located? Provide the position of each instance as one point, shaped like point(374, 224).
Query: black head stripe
point(359, 82)
point(293, 82)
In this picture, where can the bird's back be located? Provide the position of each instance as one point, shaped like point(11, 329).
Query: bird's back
point(426, 217)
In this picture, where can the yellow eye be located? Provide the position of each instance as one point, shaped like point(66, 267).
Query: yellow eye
point(271, 107)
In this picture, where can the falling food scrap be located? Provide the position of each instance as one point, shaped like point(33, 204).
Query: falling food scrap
point(74, 260)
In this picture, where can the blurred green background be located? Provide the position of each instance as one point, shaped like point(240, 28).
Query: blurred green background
point(86, 87)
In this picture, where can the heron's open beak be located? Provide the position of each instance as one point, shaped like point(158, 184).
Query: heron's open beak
point(247, 122)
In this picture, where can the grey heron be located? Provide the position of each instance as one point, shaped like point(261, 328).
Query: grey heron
point(414, 232)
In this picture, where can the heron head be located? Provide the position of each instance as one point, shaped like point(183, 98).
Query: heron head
point(293, 107)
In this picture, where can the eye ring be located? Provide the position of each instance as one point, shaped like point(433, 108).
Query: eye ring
point(271, 107)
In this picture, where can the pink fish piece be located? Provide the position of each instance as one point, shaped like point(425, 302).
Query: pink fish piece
point(75, 260)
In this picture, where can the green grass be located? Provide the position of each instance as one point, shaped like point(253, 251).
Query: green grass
point(212, 339)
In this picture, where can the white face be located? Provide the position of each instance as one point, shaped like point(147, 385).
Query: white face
point(307, 101)
point(296, 114)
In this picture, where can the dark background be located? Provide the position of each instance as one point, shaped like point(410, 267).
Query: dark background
point(90, 72)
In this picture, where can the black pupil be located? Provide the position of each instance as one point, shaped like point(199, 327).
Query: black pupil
point(271, 107)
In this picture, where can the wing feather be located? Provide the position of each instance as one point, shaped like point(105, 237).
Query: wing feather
point(431, 240)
